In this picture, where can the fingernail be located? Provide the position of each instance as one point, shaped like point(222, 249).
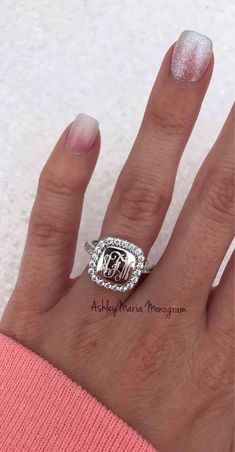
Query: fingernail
point(82, 134)
point(191, 56)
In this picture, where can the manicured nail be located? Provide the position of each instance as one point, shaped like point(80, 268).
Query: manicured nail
point(191, 56)
point(82, 134)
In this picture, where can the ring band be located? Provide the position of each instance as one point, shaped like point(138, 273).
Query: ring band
point(115, 263)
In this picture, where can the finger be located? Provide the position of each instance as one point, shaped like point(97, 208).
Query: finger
point(205, 228)
point(144, 188)
point(221, 304)
point(55, 218)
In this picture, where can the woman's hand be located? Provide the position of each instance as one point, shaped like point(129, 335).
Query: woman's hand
point(170, 378)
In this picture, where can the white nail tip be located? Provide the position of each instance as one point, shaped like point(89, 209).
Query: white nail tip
point(82, 134)
point(86, 119)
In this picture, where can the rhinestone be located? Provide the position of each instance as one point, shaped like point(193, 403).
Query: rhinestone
point(140, 265)
point(117, 242)
point(137, 251)
point(91, 271)
point(92, 264)
point(94, 257)
point(107, 285)
point(136, 272)
point(135, 279)
point(141, 258)
point(119, 288)
point(125, 244)
point(115, 287)
point(129, 286)
point(94, 278)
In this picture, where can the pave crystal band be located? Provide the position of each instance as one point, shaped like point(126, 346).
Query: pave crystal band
point(115, 263)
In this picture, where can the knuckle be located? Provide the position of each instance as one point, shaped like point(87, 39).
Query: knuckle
point(213, 373)
point(49, 182)
point(51, 231)
point(140, 201)
point(143, 362)
point(148, 355)
point(168, 120)
point(216, 195)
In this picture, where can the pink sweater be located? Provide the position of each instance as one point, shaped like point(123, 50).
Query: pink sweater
point(42, 410)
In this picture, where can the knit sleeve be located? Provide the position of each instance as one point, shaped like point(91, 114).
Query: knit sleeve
point(42, 410)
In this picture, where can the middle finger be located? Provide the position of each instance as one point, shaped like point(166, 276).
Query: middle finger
point(144, 188)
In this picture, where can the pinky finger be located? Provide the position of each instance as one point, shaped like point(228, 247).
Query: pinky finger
point(53, 228)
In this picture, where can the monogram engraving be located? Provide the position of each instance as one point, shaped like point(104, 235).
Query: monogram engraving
point(116, 264)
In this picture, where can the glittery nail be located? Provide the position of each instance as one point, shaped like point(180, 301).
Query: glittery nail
point(82, 134)
point(191, 56)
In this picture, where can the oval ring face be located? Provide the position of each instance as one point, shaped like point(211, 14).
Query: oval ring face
point(116, 264)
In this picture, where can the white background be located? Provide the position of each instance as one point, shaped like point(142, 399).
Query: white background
point(99, 57)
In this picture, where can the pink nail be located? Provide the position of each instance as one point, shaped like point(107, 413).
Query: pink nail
point(82, 134)
point(191, 56)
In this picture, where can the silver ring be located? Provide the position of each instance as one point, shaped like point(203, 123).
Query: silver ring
point(115, 263)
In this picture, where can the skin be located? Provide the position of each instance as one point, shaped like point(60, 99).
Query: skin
point(171, 379)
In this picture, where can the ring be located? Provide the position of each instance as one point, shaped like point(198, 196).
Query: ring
point(115, 263)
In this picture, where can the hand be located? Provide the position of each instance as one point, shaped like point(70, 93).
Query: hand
point(170, 378)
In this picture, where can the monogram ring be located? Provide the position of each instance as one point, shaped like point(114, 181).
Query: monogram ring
point(115, 263)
